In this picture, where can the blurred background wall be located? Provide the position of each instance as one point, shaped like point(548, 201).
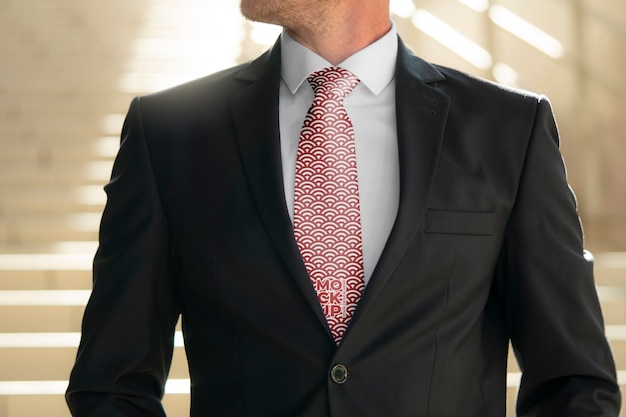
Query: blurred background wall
point(69, 69)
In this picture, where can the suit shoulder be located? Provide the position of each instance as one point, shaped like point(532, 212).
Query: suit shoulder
point(219, 83)
point(460, 82)
point(475, 97)
point(209, 92)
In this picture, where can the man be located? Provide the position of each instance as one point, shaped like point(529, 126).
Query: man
point(470, 238)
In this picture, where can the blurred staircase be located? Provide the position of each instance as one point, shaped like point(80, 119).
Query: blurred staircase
point(66, 77)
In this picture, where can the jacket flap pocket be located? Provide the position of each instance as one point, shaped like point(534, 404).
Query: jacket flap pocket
point(460, 222)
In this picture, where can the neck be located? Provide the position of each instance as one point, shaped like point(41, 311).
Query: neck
point(338, 35)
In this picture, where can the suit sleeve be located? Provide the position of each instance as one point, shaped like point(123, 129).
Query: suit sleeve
point(555, 320)
point(127, 333)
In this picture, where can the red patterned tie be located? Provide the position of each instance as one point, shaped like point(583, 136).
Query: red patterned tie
point(327, 219)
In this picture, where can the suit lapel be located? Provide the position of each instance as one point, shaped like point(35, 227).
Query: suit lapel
point(421, 113)
point(255, 117)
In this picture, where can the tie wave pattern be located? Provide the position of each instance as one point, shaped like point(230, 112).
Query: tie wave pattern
point(327, 218)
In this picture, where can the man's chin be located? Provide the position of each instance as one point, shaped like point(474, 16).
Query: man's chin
point(262, 11)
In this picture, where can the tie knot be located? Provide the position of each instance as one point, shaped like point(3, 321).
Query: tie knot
point(333, 82)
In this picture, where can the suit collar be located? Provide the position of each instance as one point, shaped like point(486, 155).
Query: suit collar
point(416, 68)
point(298, 62)
point(407, 64)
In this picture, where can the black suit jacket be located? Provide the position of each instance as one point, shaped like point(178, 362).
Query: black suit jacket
point(486, 247)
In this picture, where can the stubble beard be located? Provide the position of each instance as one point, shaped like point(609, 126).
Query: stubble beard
point(275, 12)
point(294, 18)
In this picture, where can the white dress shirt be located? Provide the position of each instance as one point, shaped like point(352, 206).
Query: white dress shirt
point(372, 109)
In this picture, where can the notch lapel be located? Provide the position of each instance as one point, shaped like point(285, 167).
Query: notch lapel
point(421, 114)
point(255, 118)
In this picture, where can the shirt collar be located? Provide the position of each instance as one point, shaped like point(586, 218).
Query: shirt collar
point(298, 61)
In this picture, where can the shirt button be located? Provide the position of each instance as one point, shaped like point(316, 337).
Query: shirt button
point(339, 374)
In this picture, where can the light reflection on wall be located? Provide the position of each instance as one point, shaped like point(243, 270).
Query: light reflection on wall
point(526, 31)
point(476, 54)
point(183, 40)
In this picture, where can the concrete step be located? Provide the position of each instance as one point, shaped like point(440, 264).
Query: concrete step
point(49, 256)
point(17, 238)
point(46, 318)
point(29, 402)
point(68, 269)
point(16, 200)
point(610, 269)
point(47, 227)
point(43, 364)
point(46, 172)
point(54, 123)
point(617, 338)
point(606, 236)
point(613, 300)
point(38, 298)
point(78, 149)
point(45, 280)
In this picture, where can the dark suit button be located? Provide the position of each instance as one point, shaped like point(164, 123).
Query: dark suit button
point(339, 374)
